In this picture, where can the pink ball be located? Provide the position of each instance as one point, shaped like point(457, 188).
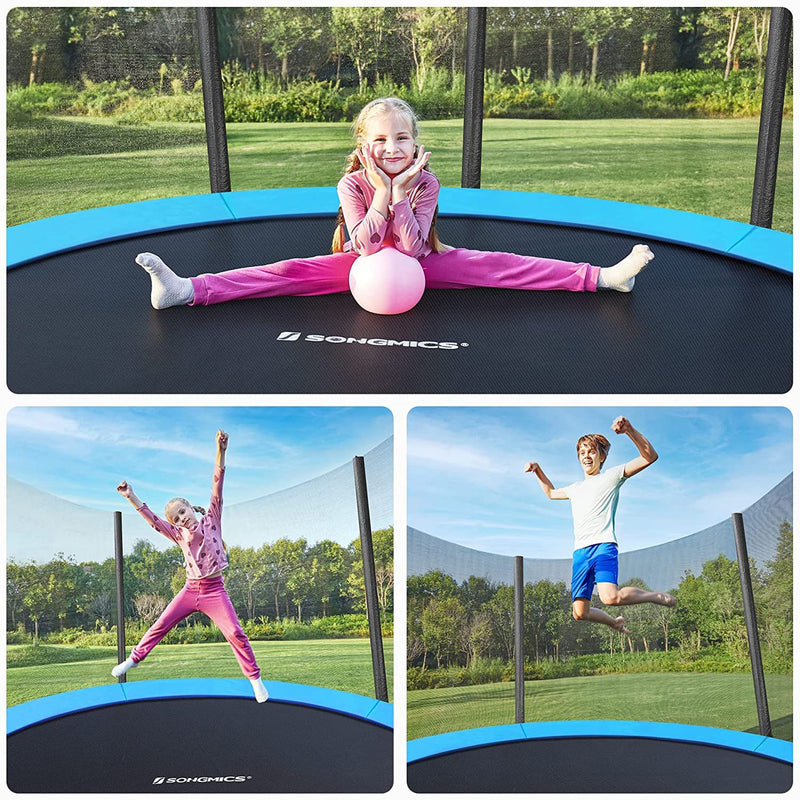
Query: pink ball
point(387, 282)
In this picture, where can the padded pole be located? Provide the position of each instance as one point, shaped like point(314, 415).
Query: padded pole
point(519, 636)
point(473, 99)
point(769, 132)
point(370, 582)
point(760, 686)
point(213, 102)
point(121, 654)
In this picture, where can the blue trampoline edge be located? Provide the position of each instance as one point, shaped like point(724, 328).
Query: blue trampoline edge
point(43, 709)
point(33, 240)
point(432, 746)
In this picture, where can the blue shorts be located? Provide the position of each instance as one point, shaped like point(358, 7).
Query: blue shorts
point(597, 563)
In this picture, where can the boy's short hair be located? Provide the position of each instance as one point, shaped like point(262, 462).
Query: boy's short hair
point(599, 441)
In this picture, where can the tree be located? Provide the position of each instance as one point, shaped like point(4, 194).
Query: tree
point(720, 41)
point(246, 576)
point(542, 609)
point(475, 636)
point(383, 550)
point(329, 565)
point(429, 32)
point(283, 557)
point(475, 592)
point(298, 581)
point(760, 19)
point(442, 621)
point(501, 613)
point(19, 580)
point(642, 620)
point(149, 569)
point(149, 606)
point(37, 600)
point(596, 24)
point(775, 596)
point(358, 31)
point(33, 31)
point(286, 30)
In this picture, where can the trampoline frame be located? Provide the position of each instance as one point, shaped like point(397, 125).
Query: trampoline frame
point(43, 709)
point(30, 241)
point(432, 746)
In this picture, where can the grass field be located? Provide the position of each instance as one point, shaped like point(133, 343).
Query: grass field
point(722, 700)
point(706, 166)
point(343, 664)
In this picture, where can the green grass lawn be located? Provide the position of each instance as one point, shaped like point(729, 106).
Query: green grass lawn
point(722, 700)
point(343, 664)
point(701, 165)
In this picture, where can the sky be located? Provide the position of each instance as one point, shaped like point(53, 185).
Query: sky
point(82, 454)
point(466, 482)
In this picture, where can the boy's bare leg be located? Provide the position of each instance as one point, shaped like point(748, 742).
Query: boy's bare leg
point(612, 595)
point(582, 610)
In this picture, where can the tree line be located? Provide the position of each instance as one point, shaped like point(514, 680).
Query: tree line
point(286, 579)
point(451, 624)
point(360, 46)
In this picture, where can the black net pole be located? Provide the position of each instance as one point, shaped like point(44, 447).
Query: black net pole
point(213, 102)
point(121, 655)
point(769, 132)
point(473, 99)
point(519, 636)
point(764, 724)
point(370, 582)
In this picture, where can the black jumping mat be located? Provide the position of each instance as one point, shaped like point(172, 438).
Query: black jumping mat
point(201, 745)
point(599, 765)
point(81, 322)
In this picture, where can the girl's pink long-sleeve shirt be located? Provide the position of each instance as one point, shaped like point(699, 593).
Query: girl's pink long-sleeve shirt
point(407, 226)
point(202, 548)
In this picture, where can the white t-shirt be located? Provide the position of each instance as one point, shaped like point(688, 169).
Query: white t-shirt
point(594, 504)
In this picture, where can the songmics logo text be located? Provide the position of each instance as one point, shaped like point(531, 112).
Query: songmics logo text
point(296, 336)
point(204, 779)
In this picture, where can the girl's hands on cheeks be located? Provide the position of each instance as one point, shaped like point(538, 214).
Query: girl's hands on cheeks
point(377, 176)
point(405, 178)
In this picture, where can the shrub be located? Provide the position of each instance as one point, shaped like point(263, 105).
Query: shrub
point(102, 99)
point(22, 102)
point(18, 636)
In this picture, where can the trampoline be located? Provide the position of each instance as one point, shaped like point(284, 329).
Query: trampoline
point(599, 756)
point(200, 735)
point(712, 313)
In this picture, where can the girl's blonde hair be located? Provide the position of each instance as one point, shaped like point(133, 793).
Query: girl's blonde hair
point(375, 108)
point(200, 510)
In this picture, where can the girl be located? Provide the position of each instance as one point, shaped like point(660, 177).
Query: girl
point(206, 556)
point(389, 198)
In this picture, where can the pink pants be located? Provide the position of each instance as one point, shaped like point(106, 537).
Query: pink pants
point(209, 596)
point(452, 269)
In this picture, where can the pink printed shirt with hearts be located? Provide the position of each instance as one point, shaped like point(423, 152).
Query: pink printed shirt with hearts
point(202, 548)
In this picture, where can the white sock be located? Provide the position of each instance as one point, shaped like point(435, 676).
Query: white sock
point(122, 668)
point(168, 289)
point(259, 690)
point(621, 276)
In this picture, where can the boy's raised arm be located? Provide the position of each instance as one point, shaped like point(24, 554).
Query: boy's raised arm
point(545, 482)
point(647, 453)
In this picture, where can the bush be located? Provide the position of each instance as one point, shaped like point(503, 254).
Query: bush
point(165, 108)
point(18, 636)
point(23, 102)
point(679, 660)
point(251, 96)
point(103, 99)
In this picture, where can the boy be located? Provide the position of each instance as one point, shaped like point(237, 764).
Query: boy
point(594, 504)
